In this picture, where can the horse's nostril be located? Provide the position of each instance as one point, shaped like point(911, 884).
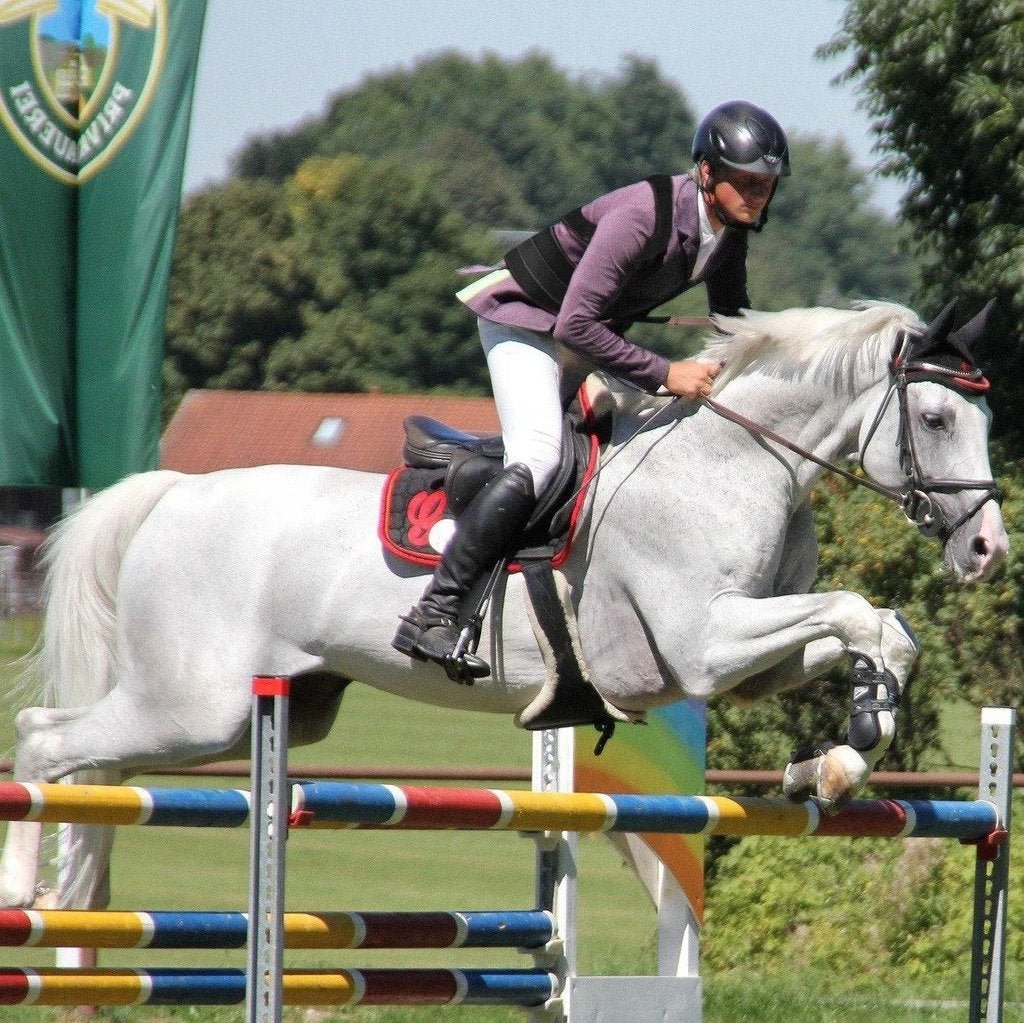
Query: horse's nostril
point(980, 546)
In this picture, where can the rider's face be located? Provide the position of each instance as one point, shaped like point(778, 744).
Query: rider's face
point(739, 194)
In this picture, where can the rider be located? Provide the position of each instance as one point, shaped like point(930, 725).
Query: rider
point(580, 284)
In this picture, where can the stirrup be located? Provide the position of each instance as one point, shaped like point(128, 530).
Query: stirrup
point(460, 664)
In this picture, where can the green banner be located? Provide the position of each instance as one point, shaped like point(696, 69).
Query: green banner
point(95, 99)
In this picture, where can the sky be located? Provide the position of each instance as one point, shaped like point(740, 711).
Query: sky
point(268, 64)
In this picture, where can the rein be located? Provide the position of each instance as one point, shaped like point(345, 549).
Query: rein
point(915, 499)
point(763, 431)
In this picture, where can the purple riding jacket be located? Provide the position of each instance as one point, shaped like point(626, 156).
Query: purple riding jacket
point(606, 295)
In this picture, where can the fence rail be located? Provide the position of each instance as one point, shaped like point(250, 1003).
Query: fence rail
point(373, 772)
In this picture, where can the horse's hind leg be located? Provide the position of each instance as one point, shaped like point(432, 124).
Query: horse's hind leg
point(35, 761)
point(99, 744)
point(19, 862)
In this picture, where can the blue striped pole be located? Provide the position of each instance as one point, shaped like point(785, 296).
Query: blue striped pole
point(531, 929)
point(170, 986)
point(339, 804)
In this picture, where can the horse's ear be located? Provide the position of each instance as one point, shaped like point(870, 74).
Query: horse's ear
point(967, 337)
point(937, 331)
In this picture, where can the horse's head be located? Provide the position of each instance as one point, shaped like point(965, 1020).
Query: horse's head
point(929, 439)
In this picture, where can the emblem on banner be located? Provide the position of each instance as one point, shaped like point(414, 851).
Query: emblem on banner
point(77, 77)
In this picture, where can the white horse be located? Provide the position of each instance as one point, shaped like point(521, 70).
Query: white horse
point(690, 577)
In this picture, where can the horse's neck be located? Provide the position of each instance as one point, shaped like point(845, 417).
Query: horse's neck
point(822, 416)
point(821, 412)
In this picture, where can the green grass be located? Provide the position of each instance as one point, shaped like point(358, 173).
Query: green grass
point(959, 737)
point(169, 868)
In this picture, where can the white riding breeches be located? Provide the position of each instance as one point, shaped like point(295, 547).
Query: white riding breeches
point(526, 379)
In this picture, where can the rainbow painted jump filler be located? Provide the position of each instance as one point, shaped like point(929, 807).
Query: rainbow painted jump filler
point(550, 988)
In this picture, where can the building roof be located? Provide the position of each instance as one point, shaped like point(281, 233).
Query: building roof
point(234, 429)
point(20, 536)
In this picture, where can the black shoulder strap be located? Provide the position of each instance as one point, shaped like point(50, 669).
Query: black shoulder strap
point(579, 225)
point(658, 243)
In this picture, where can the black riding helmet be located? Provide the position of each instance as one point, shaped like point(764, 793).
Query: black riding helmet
point(742, 135)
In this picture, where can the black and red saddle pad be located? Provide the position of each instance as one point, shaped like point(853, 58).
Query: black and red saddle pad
point(417, 518)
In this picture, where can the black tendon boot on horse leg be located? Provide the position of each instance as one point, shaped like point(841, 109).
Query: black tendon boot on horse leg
point(486, 532)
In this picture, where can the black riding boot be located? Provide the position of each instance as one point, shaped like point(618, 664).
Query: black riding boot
point(486, 531)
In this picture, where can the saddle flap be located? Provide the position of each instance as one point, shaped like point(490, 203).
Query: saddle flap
point(432, 445)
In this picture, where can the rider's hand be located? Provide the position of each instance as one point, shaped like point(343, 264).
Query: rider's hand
point(690, 379)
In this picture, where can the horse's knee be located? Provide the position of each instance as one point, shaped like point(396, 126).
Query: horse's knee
point(857, 622)
point(899, 644)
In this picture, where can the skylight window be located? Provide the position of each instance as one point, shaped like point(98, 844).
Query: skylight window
point(329, 432)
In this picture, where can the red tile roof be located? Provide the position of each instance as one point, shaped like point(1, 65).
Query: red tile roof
point(232, 429)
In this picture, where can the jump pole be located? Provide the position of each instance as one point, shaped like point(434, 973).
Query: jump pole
point(548, 816)
point(268, 829)
point(667, 998)
point(265, 987)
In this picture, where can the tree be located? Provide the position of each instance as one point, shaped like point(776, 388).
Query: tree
point(944, 80)
point(515, 143)
point(649, 126)
point(385, 248)
point(824, 244)
point(543, 142)
point(341, 280)
point(237, 287)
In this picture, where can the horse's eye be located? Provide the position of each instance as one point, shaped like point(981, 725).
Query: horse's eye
point(933, 420)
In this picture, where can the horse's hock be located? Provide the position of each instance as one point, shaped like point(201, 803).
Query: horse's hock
point(550, 988)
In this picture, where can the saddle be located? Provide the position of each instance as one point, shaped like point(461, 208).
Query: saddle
point(443, 469)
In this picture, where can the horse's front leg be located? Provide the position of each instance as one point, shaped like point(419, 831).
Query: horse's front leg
point(757, 646)
point(833, 773)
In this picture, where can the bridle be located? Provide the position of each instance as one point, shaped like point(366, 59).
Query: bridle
point(915, 497)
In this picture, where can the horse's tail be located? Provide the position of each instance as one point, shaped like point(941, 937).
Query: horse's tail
point(72, 663)
point(82, 558)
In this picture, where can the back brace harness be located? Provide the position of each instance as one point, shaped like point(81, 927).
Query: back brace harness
point(542, 269)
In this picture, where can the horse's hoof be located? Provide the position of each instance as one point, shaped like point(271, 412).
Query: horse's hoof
point(843, 774)
point(800, 779)
point(829, 780)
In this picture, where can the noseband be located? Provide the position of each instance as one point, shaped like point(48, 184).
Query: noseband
point(915, 497)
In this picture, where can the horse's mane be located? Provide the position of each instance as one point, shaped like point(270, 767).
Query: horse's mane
point(818, 342)
point(806, 342)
